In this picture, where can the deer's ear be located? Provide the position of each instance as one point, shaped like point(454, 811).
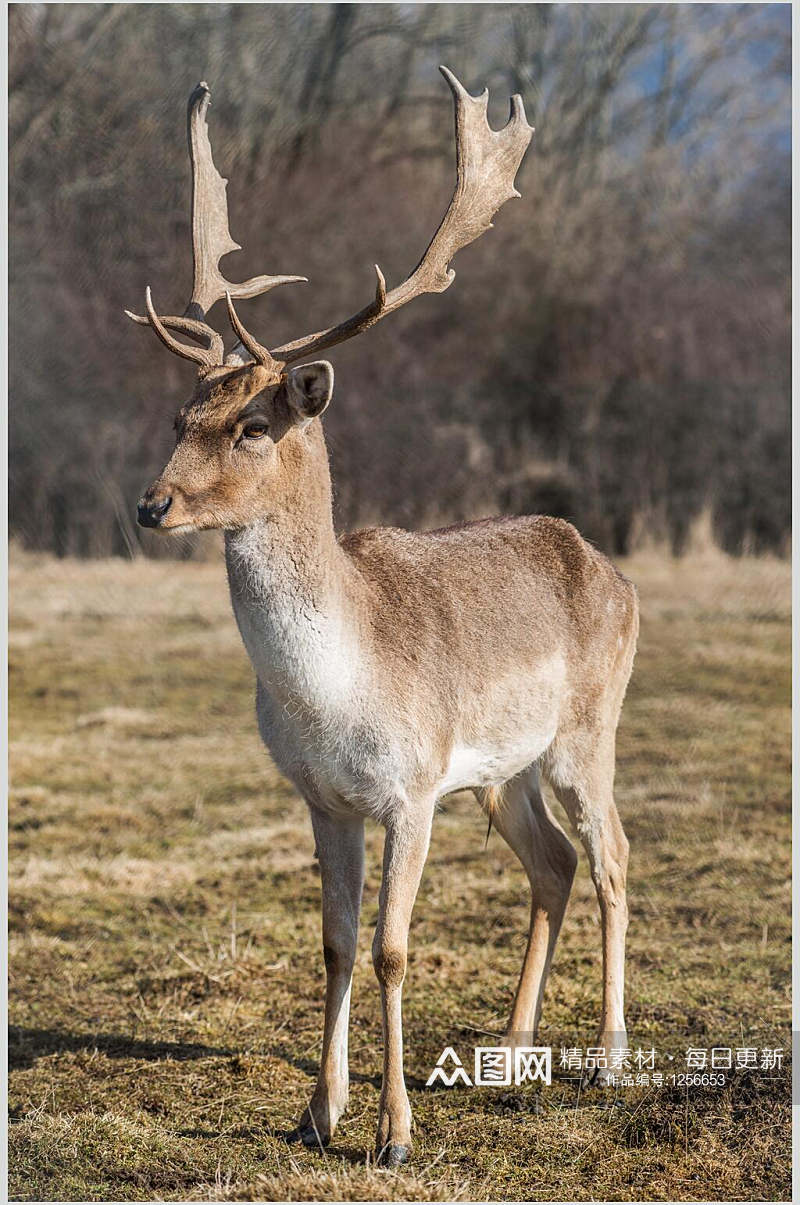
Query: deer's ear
point(309, 388)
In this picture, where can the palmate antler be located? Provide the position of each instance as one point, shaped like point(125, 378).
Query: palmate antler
point(486, 163)
point(211, 239)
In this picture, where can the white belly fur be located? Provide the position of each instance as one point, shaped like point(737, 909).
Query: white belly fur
point(475, 767)
point(522, 719)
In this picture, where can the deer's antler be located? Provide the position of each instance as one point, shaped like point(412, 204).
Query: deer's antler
point(211, 239)
point(486, 163)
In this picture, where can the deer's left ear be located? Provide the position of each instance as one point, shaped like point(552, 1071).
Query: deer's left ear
point(309, 388)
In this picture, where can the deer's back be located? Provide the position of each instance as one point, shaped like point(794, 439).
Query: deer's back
point(497, 586)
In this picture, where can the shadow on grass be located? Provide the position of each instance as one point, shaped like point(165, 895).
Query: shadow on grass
point(311, 1067)
point(25, 1046)
point(583, 1096)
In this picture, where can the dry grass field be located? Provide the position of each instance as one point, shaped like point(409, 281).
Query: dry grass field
point(166, 972)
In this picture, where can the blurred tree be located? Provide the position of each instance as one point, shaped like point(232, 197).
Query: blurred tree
point(616, 351)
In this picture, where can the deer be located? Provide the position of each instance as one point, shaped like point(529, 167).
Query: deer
point(394, 668)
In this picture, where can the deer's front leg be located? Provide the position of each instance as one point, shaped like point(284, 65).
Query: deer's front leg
point(405, 850)
point(340, 848)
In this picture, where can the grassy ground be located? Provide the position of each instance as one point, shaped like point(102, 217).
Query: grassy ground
point(166, 976)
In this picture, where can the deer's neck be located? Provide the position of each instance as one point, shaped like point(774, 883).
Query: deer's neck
point(292, 585)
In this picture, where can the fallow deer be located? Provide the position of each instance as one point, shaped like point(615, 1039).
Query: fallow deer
point(392, 667)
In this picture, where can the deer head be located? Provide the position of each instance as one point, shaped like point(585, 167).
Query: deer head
point(242, 436)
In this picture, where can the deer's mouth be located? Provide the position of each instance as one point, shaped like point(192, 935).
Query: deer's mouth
point(176, 529)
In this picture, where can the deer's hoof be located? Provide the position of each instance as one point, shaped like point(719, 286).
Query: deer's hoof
point(393, 1155)
point(309, 1137)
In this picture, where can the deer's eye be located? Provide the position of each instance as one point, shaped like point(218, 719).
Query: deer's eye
point(254, 431)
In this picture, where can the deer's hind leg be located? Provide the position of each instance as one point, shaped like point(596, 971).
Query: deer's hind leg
point(584, 785)
point(526, 823)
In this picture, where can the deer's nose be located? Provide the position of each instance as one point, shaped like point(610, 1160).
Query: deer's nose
point(150, 512)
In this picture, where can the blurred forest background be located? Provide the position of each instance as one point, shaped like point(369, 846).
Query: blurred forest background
point(616, 351)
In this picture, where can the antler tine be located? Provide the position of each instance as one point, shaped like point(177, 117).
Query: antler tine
point(207, 357)
point(486, 163)
point(211, 237)
point(200, 331)
point(259, 353)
